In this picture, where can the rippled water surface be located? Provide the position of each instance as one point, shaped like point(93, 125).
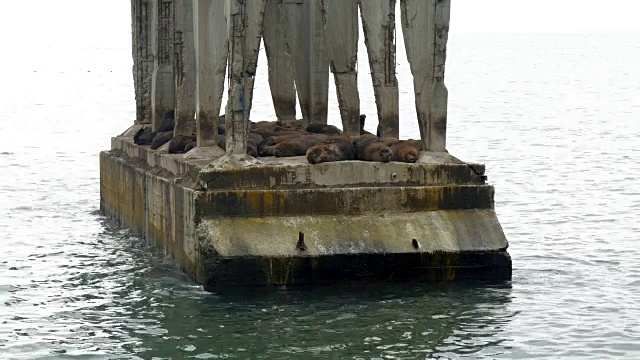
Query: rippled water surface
point(554, 118)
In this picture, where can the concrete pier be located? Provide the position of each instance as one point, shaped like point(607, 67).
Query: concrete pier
point(228, 219)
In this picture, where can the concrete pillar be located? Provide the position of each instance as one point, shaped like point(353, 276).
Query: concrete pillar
point(141, 28)
point(378, 22)
point(210, 29)
point(240, 63)
point(305, 36)
point(425, 24)
point(254, 19)
point(341, 32)
point(162, 80)
point(185, 68)
point(283, 91)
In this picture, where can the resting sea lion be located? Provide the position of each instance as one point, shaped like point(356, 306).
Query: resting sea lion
point(276, 139)
point(293, 147)
point(325, 129)
point(336, 148)
point(190, 146)
point(403, 150)
point(144, 137)
point(167, 123)
point(371, 148)
point(179, 142)
point(160, 139)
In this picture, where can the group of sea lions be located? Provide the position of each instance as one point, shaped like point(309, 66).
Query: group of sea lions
point(318, 142)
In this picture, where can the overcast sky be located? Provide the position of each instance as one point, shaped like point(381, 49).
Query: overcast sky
point(73, 23)
point(545, 16)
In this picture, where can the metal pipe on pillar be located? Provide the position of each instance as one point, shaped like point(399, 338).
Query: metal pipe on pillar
point(425, 24)
point(211, 47)
point(341, 33)
point(378, 22)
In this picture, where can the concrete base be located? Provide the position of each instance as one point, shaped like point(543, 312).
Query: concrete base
point(285, 221)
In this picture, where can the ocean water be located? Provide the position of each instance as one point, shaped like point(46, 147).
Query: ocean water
point(553, 116)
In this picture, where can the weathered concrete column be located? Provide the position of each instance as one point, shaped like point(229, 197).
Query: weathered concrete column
point(254, 18)
point(162, 81)
point(141, 28)
point(185, 71)
point(240, 60)
point(378, 22)
point(341, 33)
point(281, 83)
point(210, 29)
point(306, 41)
point(425, 24)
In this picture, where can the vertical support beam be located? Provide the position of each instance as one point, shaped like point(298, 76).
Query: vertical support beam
point(185, 68)
point(236, 118)
point(341, 32)
point(254, 19)
point(425, 24)
point(210, 31)
point(378, 22)
point(305, 35)
point(162, 80)
point(283, 91)
point(141, 24)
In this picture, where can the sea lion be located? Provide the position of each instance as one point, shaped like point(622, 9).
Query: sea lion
point(276, 139)
point(336, 148)
point(403, 150)
point(294, 147)
point(190, 146)
point(144, 137)
point(371, 148)
point(252, 148)
point(325, 129)
point(167, 123)
point(179, 142)
point(363, 117)
point(160, 139)
point(255, 137)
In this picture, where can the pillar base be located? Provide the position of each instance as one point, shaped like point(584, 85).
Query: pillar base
point(288, 222)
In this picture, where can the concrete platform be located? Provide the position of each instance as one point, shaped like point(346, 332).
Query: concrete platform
point(283, 221)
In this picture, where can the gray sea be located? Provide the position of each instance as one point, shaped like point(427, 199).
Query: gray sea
point(555, 117)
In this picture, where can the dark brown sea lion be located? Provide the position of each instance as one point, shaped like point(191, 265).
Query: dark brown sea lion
point(167, 123)
point(363, 117)
point(336, 148)
point(403, 150)
point(276, 139)
point(190, 146)
point(179, 142)
point(252, 148)
point(161, 138)
point(371, 148)
point(325, 129)
point(255, 137)
point(294, 147)
point(144, 137)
